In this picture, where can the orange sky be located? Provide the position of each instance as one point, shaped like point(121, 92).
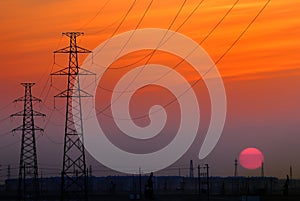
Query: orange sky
point(270, 45)
point(261, 72)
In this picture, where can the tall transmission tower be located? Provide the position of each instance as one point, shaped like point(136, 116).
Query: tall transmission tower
point(74, 171)
point(28, 186)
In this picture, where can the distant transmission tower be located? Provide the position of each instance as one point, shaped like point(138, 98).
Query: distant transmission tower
point(74, 172)
point(28, 186)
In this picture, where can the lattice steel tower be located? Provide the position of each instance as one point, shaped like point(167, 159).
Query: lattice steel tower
point(28, 186)
point(74, 172)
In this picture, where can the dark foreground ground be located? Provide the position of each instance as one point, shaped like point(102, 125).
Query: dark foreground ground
point(176, 197)
point(200, 198)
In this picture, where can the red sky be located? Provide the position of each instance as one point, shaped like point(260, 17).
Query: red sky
point(261, 72)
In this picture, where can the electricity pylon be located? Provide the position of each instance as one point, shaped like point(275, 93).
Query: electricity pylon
point(28, 186)
point(74, 172)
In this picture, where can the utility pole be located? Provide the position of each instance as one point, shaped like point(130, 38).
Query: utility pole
point(90, 171)
point(140, 182)
point(207, 180)
point(28, 186)
point(199, 181)
point(191, 169)
point(74, 172)
point(8, 172)
point(235, 167)
point(262, 170)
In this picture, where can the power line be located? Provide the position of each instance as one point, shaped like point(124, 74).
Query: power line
point(5, 107)
point(119, 26)
point(45, 72)
point(183, 59)
point(137, 61)
point(136, 27)
point(223, 55)
point(171, 24)
point(46, 125)
point(5, 134)
point(105, 27)
point(4, 119)
point(152, 52)
point(94, 17)
point(222, 19)
point(245, 30)
point(220, 58)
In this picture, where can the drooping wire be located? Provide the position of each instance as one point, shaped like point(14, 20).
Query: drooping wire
point(5, 134)
point(4, 119)
point(160, 43)
point(170, 26)
point(136, 27)
point(46, 125)
point(119, 26)
point(6, 106)
point(145, 56)
point(152, 52)
point(95, 16)
point(245, 30)
point(220, 58)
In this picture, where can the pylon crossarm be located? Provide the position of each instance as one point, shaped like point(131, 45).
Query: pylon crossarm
point(72, 93)
point(22, 99)
point(23, 128)
point(38, 129)
point(19, 99)
point(62, 50)
point(19, 128)
point(84, 94)
point(83, 50)
point(21, 114)
point(68, 50)
point(39, 114)
point(61, 72)
point(85, 72)
point(18, 114)
point(64, 71)
point(36, 99)
point(69, 34)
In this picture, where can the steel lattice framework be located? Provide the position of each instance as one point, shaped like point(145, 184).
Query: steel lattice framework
point(74, 172)
point(28, 186)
